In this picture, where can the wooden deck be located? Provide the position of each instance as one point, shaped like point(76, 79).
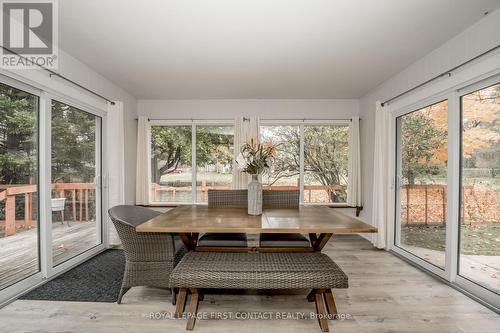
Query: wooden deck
point(19, 252)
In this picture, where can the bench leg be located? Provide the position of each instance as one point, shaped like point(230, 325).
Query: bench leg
point(181, 302)
point(193, 309)
point(321, 312)
point(174, 296)
point(330, 303)
point(311, 295)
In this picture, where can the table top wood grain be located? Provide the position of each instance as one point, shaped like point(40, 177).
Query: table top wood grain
point(306, 219)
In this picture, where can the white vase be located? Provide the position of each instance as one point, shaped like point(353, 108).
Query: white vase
point(255, 196)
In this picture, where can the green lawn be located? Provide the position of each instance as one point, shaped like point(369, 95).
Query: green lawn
point(483, 239)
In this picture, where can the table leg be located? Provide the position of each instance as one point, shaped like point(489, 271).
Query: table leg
point(320, 242)
point(189, 239)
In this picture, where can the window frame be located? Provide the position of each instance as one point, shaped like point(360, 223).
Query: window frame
point(453, 94)
point(395, 172)
point(83, 102)
point(184, 122)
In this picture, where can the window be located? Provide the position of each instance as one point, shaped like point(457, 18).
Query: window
point(75, 192)
point(422, 154)
point(285, 173)
point(321, 164)
point(479, 224)
point(171, 164)
point(326, 153)
point(178, 175)
point(214, 159)
point(19, 240)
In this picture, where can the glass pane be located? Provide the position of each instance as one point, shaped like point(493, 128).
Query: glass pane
point(214, 159)
point(171, 173)
point(423, 154)
point(75, 149)
point(480, 190)
point(18, 185)
point(326, 151)
point(284, 174)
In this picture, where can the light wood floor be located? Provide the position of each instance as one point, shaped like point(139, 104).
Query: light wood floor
point(385, 295)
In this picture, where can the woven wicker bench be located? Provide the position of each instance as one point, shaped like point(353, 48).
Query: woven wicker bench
point(229, 270)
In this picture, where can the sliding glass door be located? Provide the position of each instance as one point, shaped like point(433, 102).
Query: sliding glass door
point(421, 178)
point(50, 185)
point(19, 235)
point(76, 155)
point(447, 187)
point(479, 243)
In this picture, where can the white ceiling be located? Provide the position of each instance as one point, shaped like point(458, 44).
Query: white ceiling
point(197, 49)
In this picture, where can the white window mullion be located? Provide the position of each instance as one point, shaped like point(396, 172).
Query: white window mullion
point(453, 194)
point(193, 162)
point(45, 203)
point(301, 169)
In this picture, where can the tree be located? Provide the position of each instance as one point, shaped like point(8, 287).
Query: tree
point(18, 135)
point(325, 155)
point(480, 116)
point(171, 147)
point(73, 144)
point(421, 142)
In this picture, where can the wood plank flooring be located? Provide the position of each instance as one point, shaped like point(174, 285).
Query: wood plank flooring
point(385, 295)
point(19, 252)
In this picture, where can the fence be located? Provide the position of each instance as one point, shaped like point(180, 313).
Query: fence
point(426, 204)
point(78, 195)
point(157, 189)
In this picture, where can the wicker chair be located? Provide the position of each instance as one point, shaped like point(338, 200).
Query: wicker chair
point(282, 199)
point(149, 257)
point(225, 198)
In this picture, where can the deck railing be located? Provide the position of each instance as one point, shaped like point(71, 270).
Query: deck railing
point(157, 189)
point(77, 193)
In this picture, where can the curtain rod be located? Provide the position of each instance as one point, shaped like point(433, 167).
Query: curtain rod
point(52, 73)
point(244, 119)
point(305, 119)
point(443, 74)
point(188, 119)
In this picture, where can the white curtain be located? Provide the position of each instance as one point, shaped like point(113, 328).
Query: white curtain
point(116, 164)
point(354, 166)
point(245, 130)
point(143, 173)
point(381, 176)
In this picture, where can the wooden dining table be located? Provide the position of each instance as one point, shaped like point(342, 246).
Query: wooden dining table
point(319, 222)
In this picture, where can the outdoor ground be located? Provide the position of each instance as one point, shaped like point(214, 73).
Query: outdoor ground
point(20, 251)
point(479, 255)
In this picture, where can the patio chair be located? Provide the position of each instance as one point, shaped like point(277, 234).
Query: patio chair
point(225, 198)
point(282, 199)
point(57, 205)
point(149, 257)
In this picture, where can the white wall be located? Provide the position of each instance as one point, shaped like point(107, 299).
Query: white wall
point(84, 75)
point(476, 39)
point(264, 108)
